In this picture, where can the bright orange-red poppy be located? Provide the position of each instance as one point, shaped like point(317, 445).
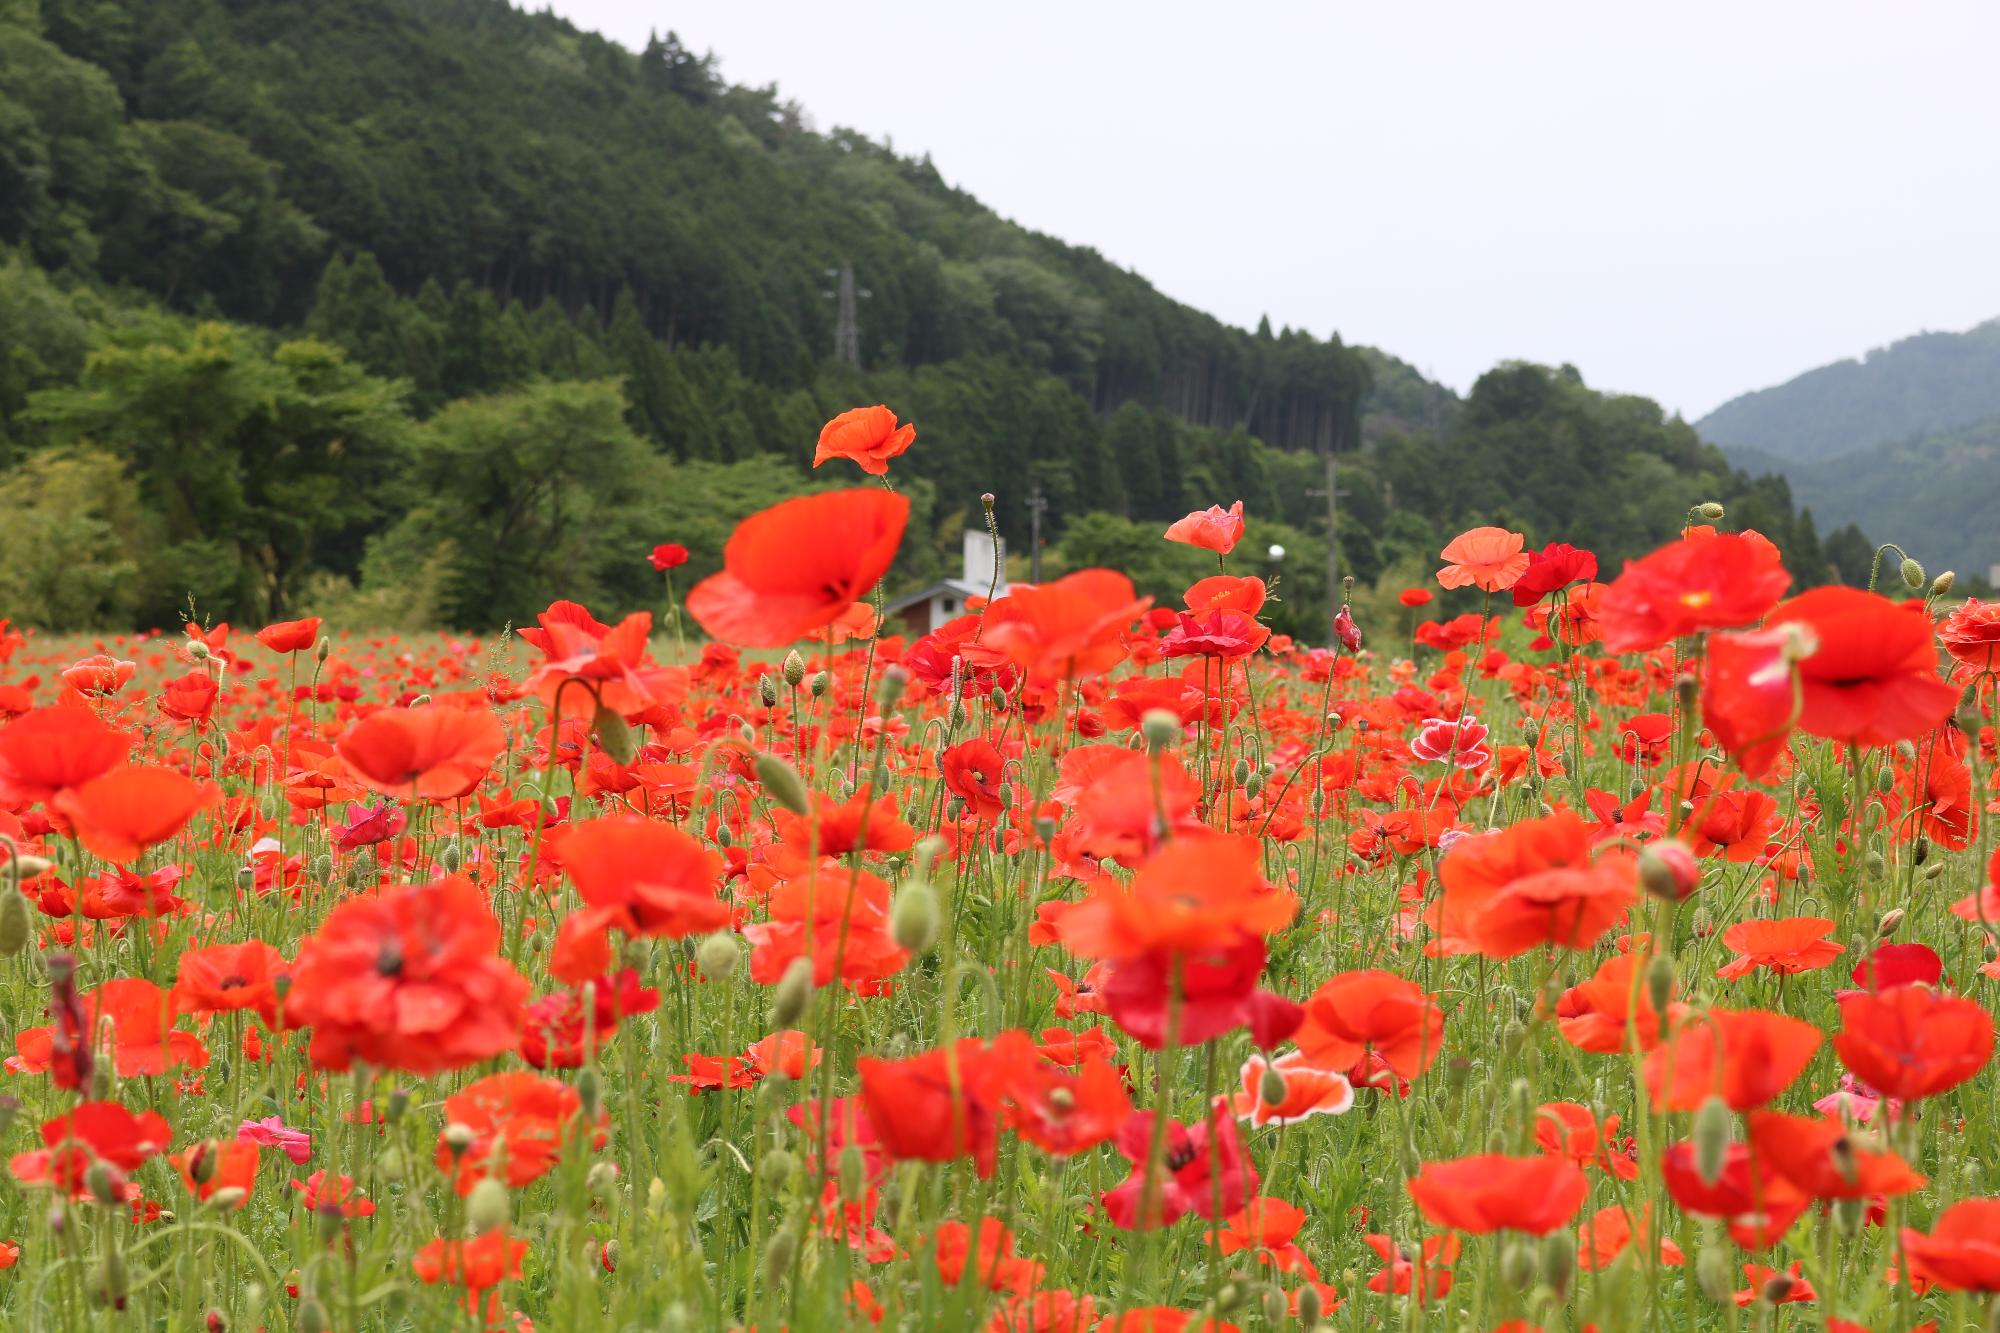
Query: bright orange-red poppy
point(44, 751)
point(867, 436)
point(648, 877)
point(1494, 1192)
point(1962, 1251)
point(1357, 1014)
point(1065, 630)
point(1535, 882)
point(431, 752)
point(799, 565)
point(1706, 580)
point(1822, 1157)
point(1744, 1056)
point(1788, 945)
point(290, 636)
point(1911, 1042)
point(1212, 529)
point(1490, 559)
point(131, 808)
point(1871, 677)
point(1195, 894)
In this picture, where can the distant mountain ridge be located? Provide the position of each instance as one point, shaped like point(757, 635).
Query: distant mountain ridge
point(1904, 442)
point(1921, 385)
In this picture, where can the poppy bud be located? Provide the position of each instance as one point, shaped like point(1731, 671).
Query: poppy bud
point(23, 866)
point(15, 927)
point(1559, 1261)
point(717, 956)
point(1006, 795)
point(1457, 1073)
point(1253, 785)
point(1521, 1098)
point(853, 1174)
point(1876, 865)
point(227, 1198)
point(792, 993)
point(913, 919)
point(487, 1207)
point(783, 783)
point(1709, 510)
point(1239, 773)
point(1934, 869)
point(615, 736)
point(821, 682)
point(1160, 728)
point(1913, 575)
point(954, 809)
point(1920, 851)
point(246, 878)
point(459, 1136)
point(1941, 585)
point(1229, 1297)
point(390, 1164)
point(779, 1252)
point(1668, 870)
point(1660, 984)
point(794, 668)
point(1714, 1275)
point(1317, 802)
point(767, 691)
point(451, 856)
point(323, 648)
point(201, 1162)
point(312, 1315)
point(723, 837)
point(1309, 1307)
point(1890, 920)
point(1712, 1123)
point(102, 1182)
point(1687, 689)
point(955, 715)
point(590, 1088)
point(748, 733)
point(1885, 779)
point(1271, 1087)
point(1517, 1264)
point(198, 650)
point(1273, 1303)
point(998, 700)
point(1849, 1214)
point(777, 1168)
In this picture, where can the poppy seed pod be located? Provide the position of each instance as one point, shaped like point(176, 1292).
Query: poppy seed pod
point(1913, 573)
point(717, 956)
point(487, 1207)
point(783, 783)
point(792, 993)
point(794, 668)
point(1160, 728)
point(913, 919)
point(1559, 1261)
point(1712, 1125)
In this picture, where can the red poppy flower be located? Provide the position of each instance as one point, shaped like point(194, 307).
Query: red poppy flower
point(867, 436)
point(613, 662)
point(519, 1122)
point(1224, 634)
point(1265, 1227)
point(645, 877)
point(1205, 1171)
point(1703, 581)
point(189, 698)
point(1204, 992)
point(1066, 630)
point(1971, 634)
point(1492, 1192)
point(1533, 883)
point(50, 749)
point(1357, 1014)
point(290, 636)
point(432, 752)
point(1744, 1056)
point(100, 676)
point(1786, 946)
point(1414, 597)
point(837, 917)
point(945, 1103)
point(1821, 1157)
point(1552, 569)
point(228, 1165)
point(1309, 1090)
point(1196, 894)
point(1609, 1231)
point(130, 808)
point(973, 771)
point(224, 978)
point(668, 555)
point(1571, 1130)
point(1749, 699)
point(409, 980)
point(1757, 1204)
point(93, 1132)
point(1910, 1042)
point(144, 1041)
point(1425, 1273)
point(1490, 559)
point(477, 1265)
point(1063, 1113)
point(1871, 678)
point(1212, 529)
point(1962, 1251)
point(799, 565)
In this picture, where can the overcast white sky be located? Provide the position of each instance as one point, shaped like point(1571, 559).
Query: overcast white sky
point(1685, 198)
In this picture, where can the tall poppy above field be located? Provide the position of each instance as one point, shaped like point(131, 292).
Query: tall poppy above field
point(1490, 559)
point(1872, 676)
point(799, 565)
point(866, 436)
point(1212, 529)
point(432, 752)
point(1706, 580)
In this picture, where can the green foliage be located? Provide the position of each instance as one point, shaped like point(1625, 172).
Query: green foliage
point(74, 540)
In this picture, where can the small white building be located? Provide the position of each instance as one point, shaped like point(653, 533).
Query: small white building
point(928, 608)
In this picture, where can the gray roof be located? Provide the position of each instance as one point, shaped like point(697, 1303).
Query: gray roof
point(957, 587)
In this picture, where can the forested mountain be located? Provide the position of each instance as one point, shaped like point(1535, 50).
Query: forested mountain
point(423, 309)
point(1905, 440)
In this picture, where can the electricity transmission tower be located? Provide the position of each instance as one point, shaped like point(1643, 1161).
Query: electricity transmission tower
point(846, 321)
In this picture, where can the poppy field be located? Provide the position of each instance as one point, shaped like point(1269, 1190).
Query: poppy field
point(1582, 949)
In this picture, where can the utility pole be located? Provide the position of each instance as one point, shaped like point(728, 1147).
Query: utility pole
point(1036, 504)
point(1332, 493)
point(846, 320)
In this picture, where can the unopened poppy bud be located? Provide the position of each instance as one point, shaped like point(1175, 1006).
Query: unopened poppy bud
point(747, 733)
point(724, 837)
point(1521, 1100)
point(790, 996)
point(1876, 865)
point(1848, 1215)
point(1160, 728)
point(1712, 1123)
point(1254, 785)
point(1006, 795)
point(717, 956)
point(954, 809)
point(1714, 1274)
point(1890, 920)
point(779, 1252)
point(1559, 1261)
point(615, 736)
point(390, 1163)
point(603, 1178)
point(1518, 1264)
point(15, 927)
point(1457, 1073)
point(1709, 510)
point(1271, 1087)
point(1239, 772)
point(451, 856)
point(590, 1090)
point(1777, 1287)
point(767, 691)
point(821, 682)
point(998, 700)
point(1941, 585)
point(1913, 574)
point(323, 648)
point(1668, 870)
point(487, 1207)
point(198, 650)
point(227, 1198)
point(1229, 1297)
point(853, 1174)
point(1920, 850)
point(783, 783)
point(1310, 1307)
point(794, 668)
point(22, 866)
point(1045, 829)
point(1885, 779)
point(913, 919)
point(102, 1183)
point(458, 1137)
point(1934, 869)
point(201, 1162)
point(777, 1167)
point(1273, 1304)
point(1660, 983)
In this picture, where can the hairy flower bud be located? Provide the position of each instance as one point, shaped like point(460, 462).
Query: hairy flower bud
point(1160, 728)
point(15, 925)
point(767, 691)
point(1310, 1307)
point(1941, 585)
point(718, 956)
point(1518, 1263)
point(783, 783)
point(1715, 1274)
point(1668, 870)
point(779, 1252)
point(1712, 1124)
point(792, 993)
point(913, 918)
point(794, 668)
point(821, 681)
point(615, 736)
point(487, 1207)
point(1559, 1261)
point(1710, 510)
point(1913, 573)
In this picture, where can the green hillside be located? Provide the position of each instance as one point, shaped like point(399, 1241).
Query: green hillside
point(423, 310)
